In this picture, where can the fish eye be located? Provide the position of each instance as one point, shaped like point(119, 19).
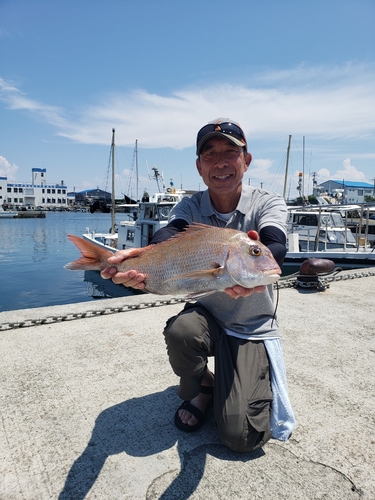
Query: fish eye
point(255, 251)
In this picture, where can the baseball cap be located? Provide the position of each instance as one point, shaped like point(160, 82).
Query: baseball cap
point(223, 127)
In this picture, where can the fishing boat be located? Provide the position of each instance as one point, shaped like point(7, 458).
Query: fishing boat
point(143, 218)
point(319, 229)
point(153, 214)
point(7, 214)
point(330, 232)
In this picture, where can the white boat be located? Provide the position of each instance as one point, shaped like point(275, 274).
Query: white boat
point(152, 215)
point(329, 232)
point(319, 229)
point(144, 218)
point(7, 214)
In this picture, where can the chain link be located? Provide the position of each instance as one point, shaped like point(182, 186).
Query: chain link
point(286, 282)
point(11, 325)
point(290, 281)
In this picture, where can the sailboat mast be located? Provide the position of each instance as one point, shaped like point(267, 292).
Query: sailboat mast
point(303, 170)
point(136, 169)
point(113, 183)
point(286, 167)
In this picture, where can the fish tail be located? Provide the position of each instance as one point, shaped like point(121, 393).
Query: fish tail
point(93, 257)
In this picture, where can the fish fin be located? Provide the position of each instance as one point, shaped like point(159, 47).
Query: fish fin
point(195, 275)
point(191, 229)
point(197, 226)
point(93, 257)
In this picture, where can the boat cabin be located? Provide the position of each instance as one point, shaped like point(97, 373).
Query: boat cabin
point(319, 228)
point(152, 216)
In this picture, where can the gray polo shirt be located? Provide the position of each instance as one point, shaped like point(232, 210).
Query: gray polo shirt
point(256, 209)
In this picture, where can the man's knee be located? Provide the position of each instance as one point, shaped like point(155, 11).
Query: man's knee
point(177, 331)
point(249, 431)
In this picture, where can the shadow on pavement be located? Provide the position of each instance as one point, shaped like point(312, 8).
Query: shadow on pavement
point(135, 428)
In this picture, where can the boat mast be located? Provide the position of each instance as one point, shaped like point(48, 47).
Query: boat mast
point(303, 171)
point(113, 183)
point(286, 167)
point(136, 170)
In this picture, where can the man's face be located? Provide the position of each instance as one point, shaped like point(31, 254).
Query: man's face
point(222, 165)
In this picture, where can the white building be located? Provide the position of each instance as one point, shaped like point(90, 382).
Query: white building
point(345, 191)
point(34, 194)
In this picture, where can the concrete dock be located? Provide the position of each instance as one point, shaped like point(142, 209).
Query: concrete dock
point(88, 397)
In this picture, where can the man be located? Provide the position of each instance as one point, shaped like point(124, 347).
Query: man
point(236, 326)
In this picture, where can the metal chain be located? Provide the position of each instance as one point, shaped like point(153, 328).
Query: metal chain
point(290, 281)
point(286, 282)
point(11, 325)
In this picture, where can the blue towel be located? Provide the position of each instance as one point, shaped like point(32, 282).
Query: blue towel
point(282, 416)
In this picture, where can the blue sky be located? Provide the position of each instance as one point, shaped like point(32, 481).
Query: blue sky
point(158, 70)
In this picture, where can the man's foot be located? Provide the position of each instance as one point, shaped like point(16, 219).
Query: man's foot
point(192, 414)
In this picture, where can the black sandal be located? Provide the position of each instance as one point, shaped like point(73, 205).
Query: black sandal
point(200, 416)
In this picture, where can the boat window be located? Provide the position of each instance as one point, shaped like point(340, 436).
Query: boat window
point(130, 235)
point(337, 220)
point(307, 220)
point(164, 212)
point(149, 213)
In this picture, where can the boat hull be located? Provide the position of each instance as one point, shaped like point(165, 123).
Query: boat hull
point(344, 259)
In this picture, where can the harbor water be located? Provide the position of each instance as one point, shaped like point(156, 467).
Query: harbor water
point(33, 253)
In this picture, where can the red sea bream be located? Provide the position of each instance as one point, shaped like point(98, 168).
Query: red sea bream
point(202, 259)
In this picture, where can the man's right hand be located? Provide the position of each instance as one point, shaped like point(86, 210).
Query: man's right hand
point(130, 278)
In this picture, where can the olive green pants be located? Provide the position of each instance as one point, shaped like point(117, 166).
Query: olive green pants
point(242, 390)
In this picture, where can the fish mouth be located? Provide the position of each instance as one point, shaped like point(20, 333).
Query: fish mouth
point(272, 274)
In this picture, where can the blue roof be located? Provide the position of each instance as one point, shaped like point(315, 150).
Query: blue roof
point(355, 184)
point(91, 191)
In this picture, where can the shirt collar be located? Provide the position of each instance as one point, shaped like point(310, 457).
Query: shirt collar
point(244, 203)
point(206, 205)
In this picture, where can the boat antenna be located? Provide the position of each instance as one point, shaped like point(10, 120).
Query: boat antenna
point(157, 176)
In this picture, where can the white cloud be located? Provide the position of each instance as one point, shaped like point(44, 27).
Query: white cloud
point(323, 175)
point(7, 170)
point(349, 172)
point(17, 100)
point(259, 168)
point(321, 102)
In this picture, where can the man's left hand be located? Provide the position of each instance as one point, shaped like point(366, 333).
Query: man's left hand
point(240, 291)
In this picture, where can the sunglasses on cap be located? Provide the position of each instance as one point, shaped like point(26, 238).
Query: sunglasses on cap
point(226, 128)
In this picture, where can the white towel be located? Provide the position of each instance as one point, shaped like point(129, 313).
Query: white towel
point(282, 416)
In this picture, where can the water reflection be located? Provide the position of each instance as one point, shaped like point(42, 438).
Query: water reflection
point(40, 238)
point(98, 288)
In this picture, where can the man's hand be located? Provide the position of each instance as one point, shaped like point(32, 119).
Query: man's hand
point(130, 278)
point(240, 291)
